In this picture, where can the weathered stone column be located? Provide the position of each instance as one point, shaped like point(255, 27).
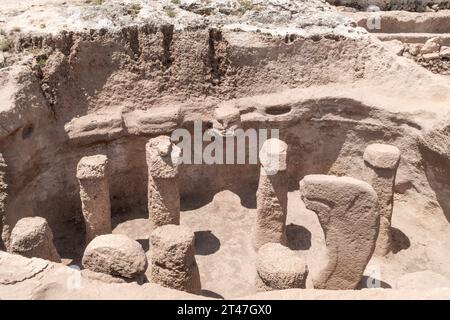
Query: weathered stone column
point(347, 212)
point(32, 237)
point(271, 197)
point(382, 162)
point(279, 268)
point(94, 194)
point(173, 262)
point(163, 190)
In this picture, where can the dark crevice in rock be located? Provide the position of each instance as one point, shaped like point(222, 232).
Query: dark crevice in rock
point(132, 36)
point(166, 59)
point(217, 55)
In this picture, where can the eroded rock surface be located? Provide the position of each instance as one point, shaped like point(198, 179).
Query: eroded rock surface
point(279, 268)
point(15, 268)
point(173, 262)
point(94, 194)
point(163, 188)
point(32, 237)
point(116, 255)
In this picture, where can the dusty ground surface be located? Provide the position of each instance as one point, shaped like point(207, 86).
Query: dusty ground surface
point(78, 78)
point(226, 257)
point(223, 242)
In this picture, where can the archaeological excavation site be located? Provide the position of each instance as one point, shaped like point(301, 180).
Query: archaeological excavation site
point(228, 149)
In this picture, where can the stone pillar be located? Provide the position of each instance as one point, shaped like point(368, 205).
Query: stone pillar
point(381, 162)
point(279, 268)
point(347, 212)
point(271, 197)
point(94, 194)
point(173, 262)
point(32, 237)
point(163, 191)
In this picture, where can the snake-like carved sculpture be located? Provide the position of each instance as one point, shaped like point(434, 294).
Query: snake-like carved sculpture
point(347, 212)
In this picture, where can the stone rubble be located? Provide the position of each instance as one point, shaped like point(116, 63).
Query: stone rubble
point(432, 55)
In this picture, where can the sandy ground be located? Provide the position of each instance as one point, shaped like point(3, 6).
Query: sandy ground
point(223, 241)
point(225, 255)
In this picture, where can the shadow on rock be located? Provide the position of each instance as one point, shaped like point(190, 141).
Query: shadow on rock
point(298, 237)
point(206, 243)
point(400, 241)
